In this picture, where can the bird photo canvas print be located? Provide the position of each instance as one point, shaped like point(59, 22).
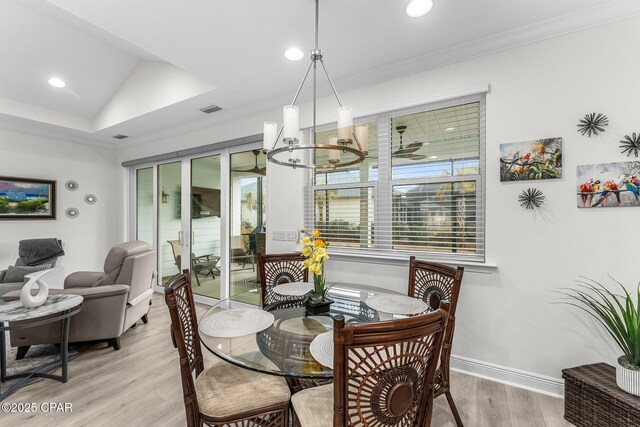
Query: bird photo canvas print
point(531, 160)
point(609, 185)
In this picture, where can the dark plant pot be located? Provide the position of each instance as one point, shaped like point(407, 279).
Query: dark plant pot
point(318, 307)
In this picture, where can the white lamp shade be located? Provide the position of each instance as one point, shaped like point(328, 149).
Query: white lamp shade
point(270, 133)
point(362, 135)
point(345, 122)
point(334, 154)
point(291, 121)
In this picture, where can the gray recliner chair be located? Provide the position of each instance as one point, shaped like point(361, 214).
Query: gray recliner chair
point(34, 253)
point(114, 300)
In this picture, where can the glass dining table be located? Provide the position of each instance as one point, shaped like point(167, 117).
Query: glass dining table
point(283, 348)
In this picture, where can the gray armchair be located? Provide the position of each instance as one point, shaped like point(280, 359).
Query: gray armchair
point(114, 300)
point(34, 253)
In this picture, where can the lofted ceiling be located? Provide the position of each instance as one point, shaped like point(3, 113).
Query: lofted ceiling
point(144, 67)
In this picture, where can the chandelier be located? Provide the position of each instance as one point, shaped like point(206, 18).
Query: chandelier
point(348, 149)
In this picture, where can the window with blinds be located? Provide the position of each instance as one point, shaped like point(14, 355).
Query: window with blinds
point(420, 190)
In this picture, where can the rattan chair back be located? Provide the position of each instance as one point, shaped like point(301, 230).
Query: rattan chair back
point(276, 269)
point(434, 283)
point(384, 371)
point(184, 333)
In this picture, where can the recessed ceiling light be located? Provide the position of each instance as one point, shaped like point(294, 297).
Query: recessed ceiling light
point(450, 129)
point(418, 8)
point(57, 82)
point(433, 157)
point(293, 54)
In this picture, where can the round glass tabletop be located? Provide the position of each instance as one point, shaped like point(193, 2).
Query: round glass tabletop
point(283, 348)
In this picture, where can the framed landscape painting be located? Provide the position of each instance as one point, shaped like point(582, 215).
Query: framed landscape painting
point(531, 160)
point(609, 185)
point(25, 198)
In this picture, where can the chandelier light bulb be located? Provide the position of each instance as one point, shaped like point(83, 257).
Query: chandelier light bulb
point(362, 134)
point(418, 8)
point(270, 133)
point(291, 121)
point(345, 123)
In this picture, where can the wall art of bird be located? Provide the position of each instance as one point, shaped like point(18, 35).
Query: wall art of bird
point(632, 188)
point(523, 163)
point(585, 190)
point(595, 187)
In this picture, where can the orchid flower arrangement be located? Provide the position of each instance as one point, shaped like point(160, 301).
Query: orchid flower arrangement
point(314, 249)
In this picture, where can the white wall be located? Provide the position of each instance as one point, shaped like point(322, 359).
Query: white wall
point(540, 90)
point(88, 237)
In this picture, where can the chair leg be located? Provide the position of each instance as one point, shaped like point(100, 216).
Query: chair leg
point(145, 318)
point(195, 273)
point(115, 343)
point(22, 352)
point(454, 410)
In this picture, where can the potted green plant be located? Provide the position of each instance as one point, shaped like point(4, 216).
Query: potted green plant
point(314, 249)
point(620, 316)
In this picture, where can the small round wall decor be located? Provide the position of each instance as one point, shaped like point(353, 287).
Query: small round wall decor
point(90, 199)
point(531, 198)
point(71, 185)
point(631, 144)
point(592, 124)
point(72, 212)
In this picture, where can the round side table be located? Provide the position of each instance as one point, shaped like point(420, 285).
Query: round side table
point(14, 315)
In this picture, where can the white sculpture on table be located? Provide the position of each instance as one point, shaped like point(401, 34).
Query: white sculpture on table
point(37, 300)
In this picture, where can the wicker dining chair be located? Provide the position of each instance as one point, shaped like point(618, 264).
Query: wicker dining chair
point(433, 283)
point(383, 375)
point(223, 395)
point(276, 269)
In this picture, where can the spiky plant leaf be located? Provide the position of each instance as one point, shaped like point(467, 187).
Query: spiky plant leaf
point(617, 313)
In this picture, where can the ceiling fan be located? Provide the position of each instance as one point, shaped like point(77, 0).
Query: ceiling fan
point(258, 171)
point(408, 151)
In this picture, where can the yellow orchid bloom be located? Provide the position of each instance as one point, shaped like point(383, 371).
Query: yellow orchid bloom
point(316, 233)
point(321, 255)
point(306, 251)
point(315, 268)
point(306, 240)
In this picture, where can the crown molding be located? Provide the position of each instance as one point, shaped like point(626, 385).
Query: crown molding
point(556, 27)
point(39, 129)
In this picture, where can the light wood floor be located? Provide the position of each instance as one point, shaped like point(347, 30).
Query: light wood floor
point(140, 386)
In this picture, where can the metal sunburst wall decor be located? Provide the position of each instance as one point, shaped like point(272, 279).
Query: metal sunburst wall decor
point(592, 124)
point(631, 144)
point(531, 198)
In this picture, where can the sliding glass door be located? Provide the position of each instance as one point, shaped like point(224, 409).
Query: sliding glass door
point(207, 214)
point(144, 205)
point(248, 220)
point(170, 233)
point(206, 226)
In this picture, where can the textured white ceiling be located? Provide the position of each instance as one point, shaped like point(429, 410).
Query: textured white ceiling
point(35, 47)
point(237, 46)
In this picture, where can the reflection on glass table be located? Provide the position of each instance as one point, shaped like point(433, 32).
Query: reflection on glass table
point(283, 348)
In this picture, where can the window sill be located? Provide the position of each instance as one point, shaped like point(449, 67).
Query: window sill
point(403, 259)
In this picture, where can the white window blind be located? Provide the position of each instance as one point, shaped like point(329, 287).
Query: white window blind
point(420, 190)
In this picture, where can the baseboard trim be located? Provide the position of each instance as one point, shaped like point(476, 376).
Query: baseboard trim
point(510, 376)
